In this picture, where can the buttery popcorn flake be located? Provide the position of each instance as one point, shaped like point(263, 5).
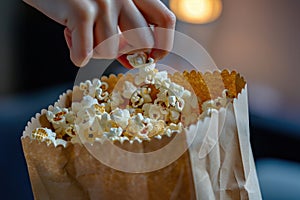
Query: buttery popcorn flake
point(46, 135)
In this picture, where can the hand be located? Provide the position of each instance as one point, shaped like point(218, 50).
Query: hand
point(90, 22)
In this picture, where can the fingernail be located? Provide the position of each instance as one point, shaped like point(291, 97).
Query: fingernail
point(123, 60)
point(155, 55)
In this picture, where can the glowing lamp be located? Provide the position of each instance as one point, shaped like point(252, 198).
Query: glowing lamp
point(196, 11)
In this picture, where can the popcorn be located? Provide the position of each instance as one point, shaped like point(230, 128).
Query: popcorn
point(146, 75)
point(179, 104)
point(161, 78)
point(172, 100)
point(94, 89)
point(61, 118)
point(43, 134)
point(136, 125)
point(85, 103)
point(46, 135)
point(104, 122)
point(89, 88)
point(213, 105)
point(88, 135)
point(115, 100)
point(128, 89)
point(136, 99)
point(162, 97)
point(179, 91)
point(174, 116)
point(121, 117)
point(100, 94)
point(99, 108)
point(156, 112)
point(145, 93)
point(141, 96)
point(158, 127)
point(70, 131)
point(114, 133)
point(139, 60)
point(174, 128)
point(156, 107)
point(57, 116)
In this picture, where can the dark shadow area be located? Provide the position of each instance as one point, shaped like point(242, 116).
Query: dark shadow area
point(274, 138)
point(43, 56)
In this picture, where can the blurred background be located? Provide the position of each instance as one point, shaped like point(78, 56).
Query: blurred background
point(258, 38)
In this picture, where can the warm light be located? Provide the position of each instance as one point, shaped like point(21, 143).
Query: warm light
point(196, 11)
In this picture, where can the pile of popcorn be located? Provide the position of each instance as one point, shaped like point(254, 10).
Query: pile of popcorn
point(130, 114)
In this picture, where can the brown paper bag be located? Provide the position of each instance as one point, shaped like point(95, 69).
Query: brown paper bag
point(218, 163)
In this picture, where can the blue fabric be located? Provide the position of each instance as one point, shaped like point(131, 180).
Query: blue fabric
point(279, 179)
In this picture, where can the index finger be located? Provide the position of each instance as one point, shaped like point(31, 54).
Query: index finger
point(81, 49)
point(164, 20)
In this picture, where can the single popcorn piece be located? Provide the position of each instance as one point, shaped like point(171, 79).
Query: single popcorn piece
point(174, 116)
point(70, 131)
point(89, 88)
point(135, 125)
point(121, 117)
point(161, 78)
point(156, 112)
point(46, 135)
point(158, 128)
point(128, 89)
point(115, 100)
point(146, 75)
point(139, 60)
point(136, 99)
point(145, 93)
point(61, 119)
point(57, 116)
point(95, 89)
point(141, 96)
point(43, 134)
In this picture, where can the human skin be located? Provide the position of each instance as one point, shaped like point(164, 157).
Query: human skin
point(88, 23)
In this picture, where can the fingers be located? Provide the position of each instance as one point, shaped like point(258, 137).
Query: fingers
point(79, 33)
point(81, 45)
point(157, 14)
point(136, 33)
point(106, 40)
point(68, 37)
point(122, 56)
point(163, 43)
point(89, 35)
point(135, 29)
point(123, 60)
